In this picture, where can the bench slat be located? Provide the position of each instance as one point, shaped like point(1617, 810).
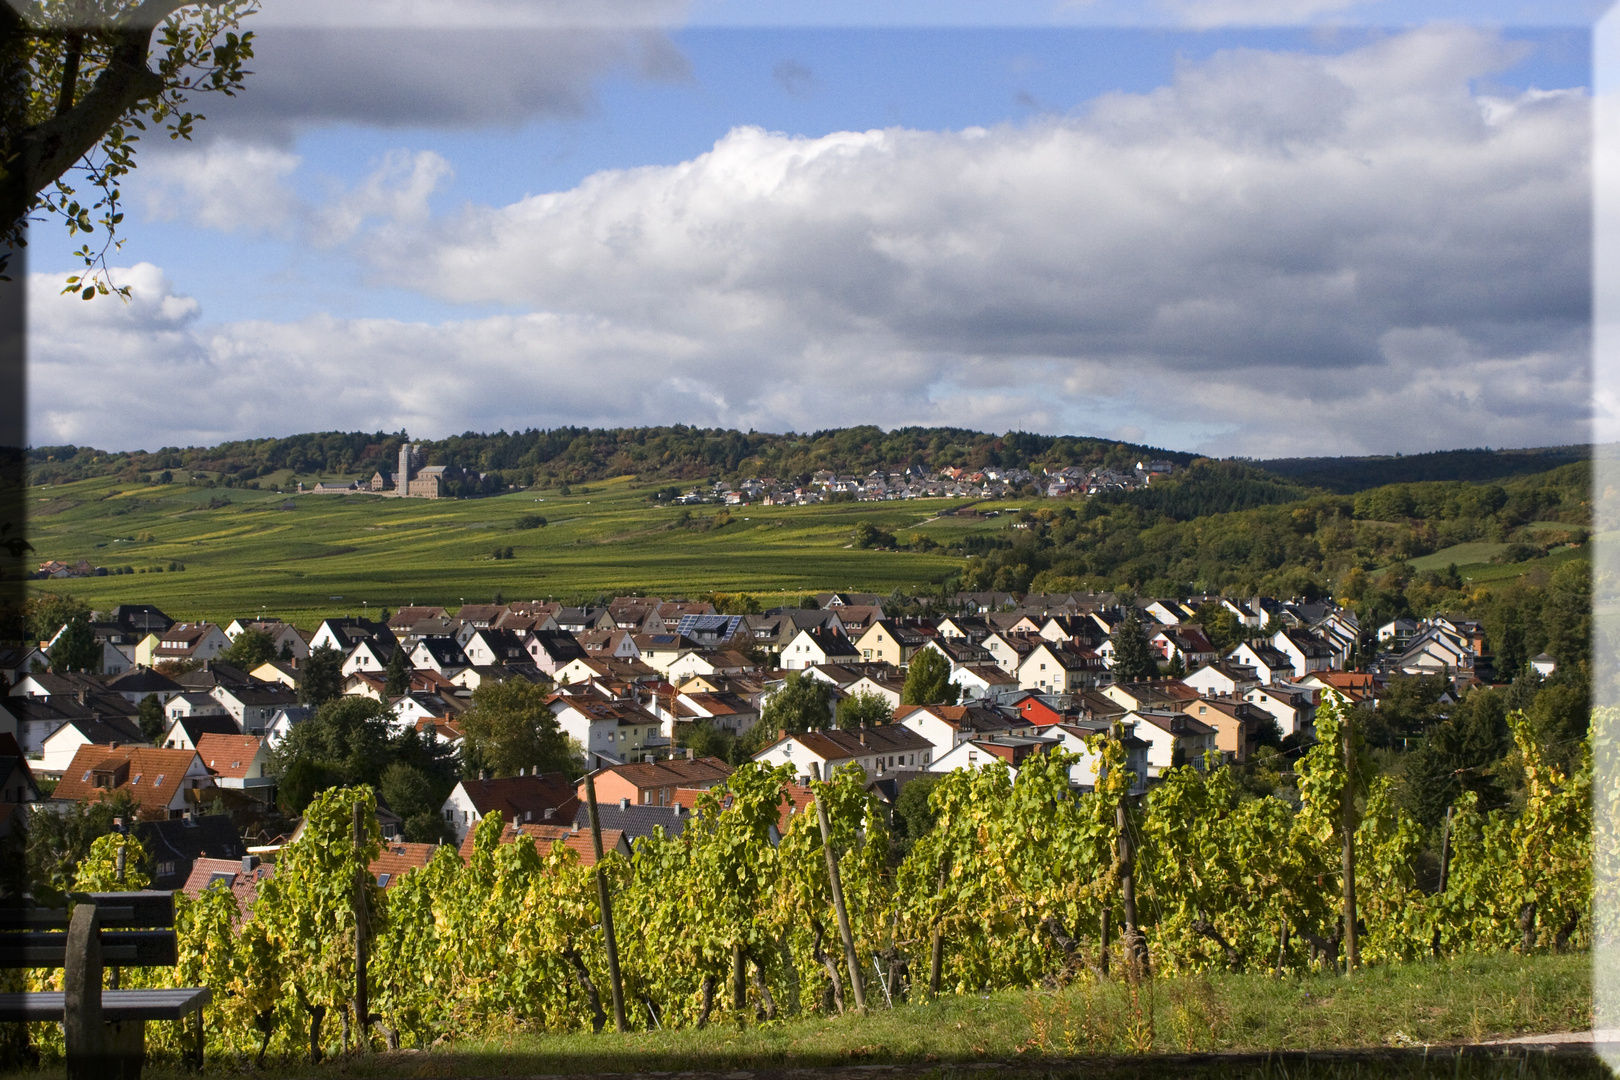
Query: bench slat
point(119, 948)
point(116, 1005)
point(143, 909)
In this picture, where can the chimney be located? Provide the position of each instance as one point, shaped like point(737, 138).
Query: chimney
point(624, 803)
point(521, 770)
point(112, 745)
point(81, 695)
point(551, 812)
point(250, 863)
point(862, 735)
point(688, 753)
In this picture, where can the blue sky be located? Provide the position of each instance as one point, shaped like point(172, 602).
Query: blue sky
point(310, 233)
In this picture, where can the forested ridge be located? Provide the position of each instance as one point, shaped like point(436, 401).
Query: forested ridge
point(573, 454)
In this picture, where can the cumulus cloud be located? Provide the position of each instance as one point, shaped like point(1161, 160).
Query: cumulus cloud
point(225, 186)
point(1275, 254)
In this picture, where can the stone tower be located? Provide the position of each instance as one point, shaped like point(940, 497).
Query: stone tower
point(402, 478)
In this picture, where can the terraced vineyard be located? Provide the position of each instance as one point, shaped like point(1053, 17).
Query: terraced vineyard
point(241, 549)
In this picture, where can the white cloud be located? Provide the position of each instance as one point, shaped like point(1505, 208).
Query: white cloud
point(224, 185)
point(1276, 254)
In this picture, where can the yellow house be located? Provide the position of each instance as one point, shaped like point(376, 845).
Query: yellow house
point(889, 643)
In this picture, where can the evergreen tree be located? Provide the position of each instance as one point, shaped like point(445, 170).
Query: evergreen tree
point(321, 680)
point(399, 673)
point(76, 648)
point(152, 720)
point(1133, 659)
point(928, 680)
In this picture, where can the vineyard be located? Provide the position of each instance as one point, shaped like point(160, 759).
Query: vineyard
point(740, 919)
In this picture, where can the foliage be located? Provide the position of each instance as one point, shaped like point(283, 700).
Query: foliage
point(58, 842)
point(98, 872)
point(151, 717)
point(865, 709)
point(1133, 658)
point(928, 680)
point(354, 741)
point(250, 649)
point(804, 703)
point(510, 727)
point(399, 673)
point(49, 612)
point(76, 648)
point(320, 677)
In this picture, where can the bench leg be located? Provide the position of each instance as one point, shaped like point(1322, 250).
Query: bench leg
point(199, 1058)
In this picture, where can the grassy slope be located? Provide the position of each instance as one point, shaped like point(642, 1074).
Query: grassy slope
point(388, 552)
point(1463, 1000)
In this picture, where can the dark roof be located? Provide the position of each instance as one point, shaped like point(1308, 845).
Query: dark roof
point(143, 680)
point(214, 673)
point(833, 743)
point(636, 820)
point(196, 727)
point(142, 617)
point(521, 796)
point(185, 840)
point(105, 730)
point(676, 772)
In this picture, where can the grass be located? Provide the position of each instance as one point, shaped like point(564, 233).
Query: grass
point(1435, 1004)
point(334, 554)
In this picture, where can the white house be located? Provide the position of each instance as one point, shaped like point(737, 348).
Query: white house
point(1172, 739)
point(877, 750)
point(1222, 679)
point(1294, 707)
point(810, 648)
point(1271, 664)
point(253, 707)
point(612, 732)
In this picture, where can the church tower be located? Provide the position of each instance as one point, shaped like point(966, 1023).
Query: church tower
point(402, 478)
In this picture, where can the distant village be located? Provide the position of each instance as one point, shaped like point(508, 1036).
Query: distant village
point(630, 681)
point(413, 480)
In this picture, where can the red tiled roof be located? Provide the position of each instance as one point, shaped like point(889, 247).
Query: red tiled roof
point(153, 777)
point(228, 755)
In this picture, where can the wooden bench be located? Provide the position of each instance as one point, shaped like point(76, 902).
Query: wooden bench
point(105, 1030)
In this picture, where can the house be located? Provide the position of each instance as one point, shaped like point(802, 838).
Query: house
point(1185, 643)
point(1216, 678)
point(214, 673)
point(1543, 665)
point(1009, 649)
point(240, 762)
point(1168, 695)
point(182, 641)
point(284, 672)
point(488, 647)
point(1010, 750)
point(110, 732)
point(1173, 738)
point(725, 662)
point(983, 682)
point(253, 707)
point(889, 642)
point(1293, 707)
point(1076, 739)
point(18, 789)
point(18, 660)
point(524, 798)
point(184, 732)
point(369, 654)
point(284, 721)
point(1237, 724)
point(724, 711)
point(410, 616)
point(1305, 653)
point(140, 619)
point(1051, 667)
point(817, 754)
point(612, 732)
point(176, 845)
point(164, 782)
point(661, 650)
point(655, 783)
point(38, 718)
point(945, 726)
point(634, 822)
point(547, 836)
point(619, 644)
point(440, 654)
point(345, 634)
point(241, 876)
point(1270, 664)
point(550, 650)
point(137, 684)
point(814, 647)
point(711, 631)
point(283, 635)
point(605, 669)
point(398, 858)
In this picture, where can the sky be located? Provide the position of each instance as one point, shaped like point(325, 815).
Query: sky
point(1160, 224)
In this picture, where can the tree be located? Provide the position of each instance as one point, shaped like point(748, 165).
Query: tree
point(1133, 659)
point(322, 677)
point(49, 612)
point(399, 673)
point(76, 648)
point(865, 709)
point(913, 816)
point(57, 842)
point(350, 741)
point(706, 740)
point(152, 720)
point(928, 680)
point(1221, 626)
point(510, 727)
point(52, 50)
point(417, 798)
point(250, 649)
point(803, 704)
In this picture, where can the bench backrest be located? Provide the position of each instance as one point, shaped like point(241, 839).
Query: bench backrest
point(132, 928)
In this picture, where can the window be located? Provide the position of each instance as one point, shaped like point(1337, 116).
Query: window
point(382, 880)
point(159, 781)
point(135, 780)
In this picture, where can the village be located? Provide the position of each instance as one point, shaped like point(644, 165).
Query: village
point(164, 721)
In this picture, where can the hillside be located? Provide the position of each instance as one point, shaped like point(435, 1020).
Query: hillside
point(1347, 475)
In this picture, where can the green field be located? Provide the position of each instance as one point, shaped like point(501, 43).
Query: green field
point(342, 553)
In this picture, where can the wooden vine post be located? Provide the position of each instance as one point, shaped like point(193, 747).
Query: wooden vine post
point(1445, 850)
point(838, 906)
point(362, 1001)
point(606, 906)
point(936, 949)
point(1352, 955)
point(1135, 947)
